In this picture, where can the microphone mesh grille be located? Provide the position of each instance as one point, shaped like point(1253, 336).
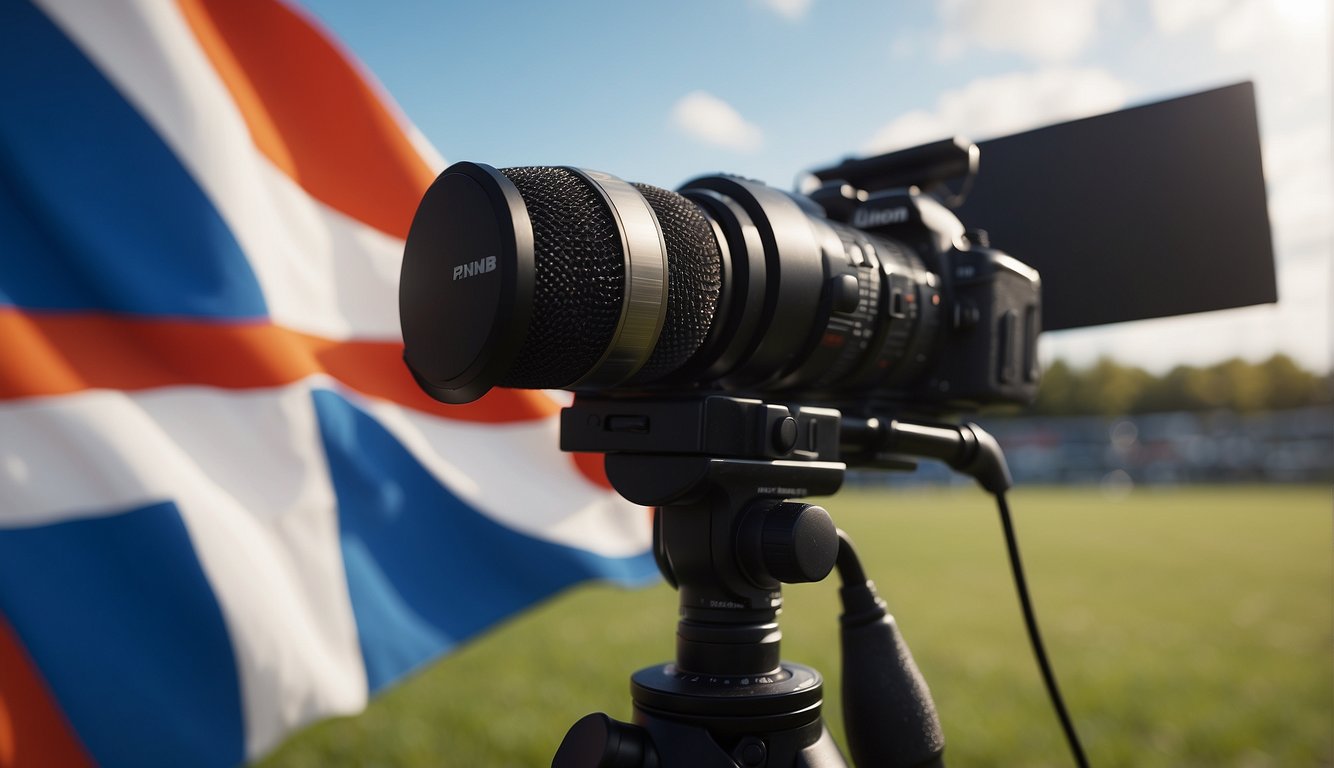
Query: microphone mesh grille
point(693, 281)
point(579, 283)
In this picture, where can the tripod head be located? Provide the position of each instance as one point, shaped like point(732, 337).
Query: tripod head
point(724, 535)
point(720, 472)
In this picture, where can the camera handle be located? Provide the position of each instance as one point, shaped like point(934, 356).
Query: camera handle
point(725, 537)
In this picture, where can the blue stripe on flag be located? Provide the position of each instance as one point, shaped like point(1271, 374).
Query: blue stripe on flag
point(96, 212)
point(122, 622)
point(425, 570)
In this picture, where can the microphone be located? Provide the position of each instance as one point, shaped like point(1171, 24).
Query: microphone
point(553, 277)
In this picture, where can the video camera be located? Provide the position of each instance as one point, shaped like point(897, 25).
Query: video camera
point(733, 347)
point(867, 294)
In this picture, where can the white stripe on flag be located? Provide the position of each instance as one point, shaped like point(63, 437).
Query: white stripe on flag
point(516, 475)
point(321, 272)
point(248, 473)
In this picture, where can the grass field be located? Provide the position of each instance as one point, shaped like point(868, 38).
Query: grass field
point(1188, 627)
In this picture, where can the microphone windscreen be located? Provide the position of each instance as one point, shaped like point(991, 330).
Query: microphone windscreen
point(694, 279)
point(579, 284)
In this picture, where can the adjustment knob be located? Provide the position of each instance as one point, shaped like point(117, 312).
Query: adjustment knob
point(796, 543)
point(799, 542)
point(597, 741)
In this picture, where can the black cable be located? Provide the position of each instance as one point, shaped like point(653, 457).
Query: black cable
point(1034, 637)
point(888, 715)
point(848, 564)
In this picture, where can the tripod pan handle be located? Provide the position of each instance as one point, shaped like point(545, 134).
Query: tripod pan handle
point(598, 741)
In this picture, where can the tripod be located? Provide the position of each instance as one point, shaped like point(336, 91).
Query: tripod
point(719, 470)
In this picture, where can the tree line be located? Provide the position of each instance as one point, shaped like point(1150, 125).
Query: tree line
point(1110, 388)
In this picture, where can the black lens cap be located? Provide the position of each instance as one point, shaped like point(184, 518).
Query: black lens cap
point(465, 290)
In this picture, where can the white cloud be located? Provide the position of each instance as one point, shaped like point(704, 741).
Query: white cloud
point(1039, 29)
point(1245, 26)
point(1301, 192)
point(1302, 13)
point(993, 106)
point(1173, 17)
point(1242, 25)
point(709, 119)
point(788, 9)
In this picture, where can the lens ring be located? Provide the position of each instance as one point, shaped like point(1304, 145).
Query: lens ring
point(794, 276)
point(736, 328)
point(645, 306)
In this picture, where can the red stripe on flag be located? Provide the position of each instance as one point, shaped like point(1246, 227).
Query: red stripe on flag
point(311, 112)
point(56, 354)
point(33, 731)
point(592, 466)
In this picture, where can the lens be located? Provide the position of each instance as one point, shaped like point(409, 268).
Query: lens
point(817, 308)
point(883, 311)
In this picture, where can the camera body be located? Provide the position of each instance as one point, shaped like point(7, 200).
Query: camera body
point(980, 307)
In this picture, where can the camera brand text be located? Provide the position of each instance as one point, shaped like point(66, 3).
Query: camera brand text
point(879, 217)
point(481, 266)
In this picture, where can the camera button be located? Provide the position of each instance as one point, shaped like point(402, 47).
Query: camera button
point(846, 293)
point(784, 435)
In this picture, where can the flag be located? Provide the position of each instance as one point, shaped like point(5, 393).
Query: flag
point(225, 508)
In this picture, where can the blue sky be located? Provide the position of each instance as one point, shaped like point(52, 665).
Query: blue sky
point(662, 92)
